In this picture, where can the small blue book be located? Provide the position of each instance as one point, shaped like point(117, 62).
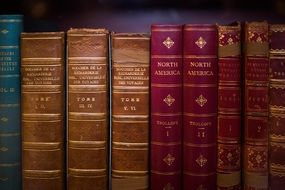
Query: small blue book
point(11, 27)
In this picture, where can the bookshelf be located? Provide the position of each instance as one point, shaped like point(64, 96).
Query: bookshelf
point(138, 15)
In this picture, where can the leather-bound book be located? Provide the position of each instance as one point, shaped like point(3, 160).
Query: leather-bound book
point(277, 107)
point(87, 54)
point(130, 111)
point(166, 106)
point(11, 27)
point(229, 108)
point(200, 92)
point(42, 83)
point(256, 65)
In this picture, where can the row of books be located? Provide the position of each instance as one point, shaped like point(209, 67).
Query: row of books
point(179, 102)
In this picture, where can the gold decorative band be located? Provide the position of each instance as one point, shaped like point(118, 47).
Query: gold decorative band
point(166, 114)
point(166, 85)
point(199, 56)
point(199, 174)
point(166, 56)
point(87, 172)
point(166, 144)
point(199, 145)
point(131, 171)
point(129, 149)
point(165, 173)
point(200, 115)
point(200, 85)
point(41, 59)
point(42, 146)
point(87, 144)
point(42, 174)
point(130, 116)
point(45, 117)
point(114, 143)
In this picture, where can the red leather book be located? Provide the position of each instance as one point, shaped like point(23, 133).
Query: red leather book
point(256, 106)
point(166, 106)
point(200, 75)
point(229, 108)
point(277, 107)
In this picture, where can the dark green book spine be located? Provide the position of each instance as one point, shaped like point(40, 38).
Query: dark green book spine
point(11, 27)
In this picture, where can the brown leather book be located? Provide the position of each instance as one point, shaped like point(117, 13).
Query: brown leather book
point(256, 66)
point(277, 107)
point(130, 111)
point(87, 108)
point(42, 69)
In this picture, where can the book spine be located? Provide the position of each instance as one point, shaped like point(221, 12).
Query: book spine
point(11, 27)
point(200, 80)
point(256, 106)
point(42, 83)
point(229, 108)
point(277, 107)
point(166, 106)
point(87, 108)
point(130, 111)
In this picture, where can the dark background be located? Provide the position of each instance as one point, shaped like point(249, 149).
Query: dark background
point(138, 15)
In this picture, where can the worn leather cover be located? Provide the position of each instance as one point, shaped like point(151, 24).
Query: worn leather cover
point(200, 97)
point(87, 108)
point(11, 27)
point(256, 106)
point(130, 111)
point(229, 108)
point(166, 106)
point(42, 83)
point(277, 107)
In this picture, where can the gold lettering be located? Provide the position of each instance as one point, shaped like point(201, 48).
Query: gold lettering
point(200, 73)
point(167, 64)
point(167, 73)
point(200, 124)
point(200, 64)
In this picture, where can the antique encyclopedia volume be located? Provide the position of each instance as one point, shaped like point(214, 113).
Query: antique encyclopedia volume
point(130, 111)
point(87, 108)
point(200, 79)
point(277, 107)
point(255, 161)
point(42, 83)
point(166, 106)
point(11, 27)
point(229, 108)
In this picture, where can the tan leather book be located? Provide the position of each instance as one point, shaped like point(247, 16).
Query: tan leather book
point(87, 77)
point(130, 111)
point(42, 83)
